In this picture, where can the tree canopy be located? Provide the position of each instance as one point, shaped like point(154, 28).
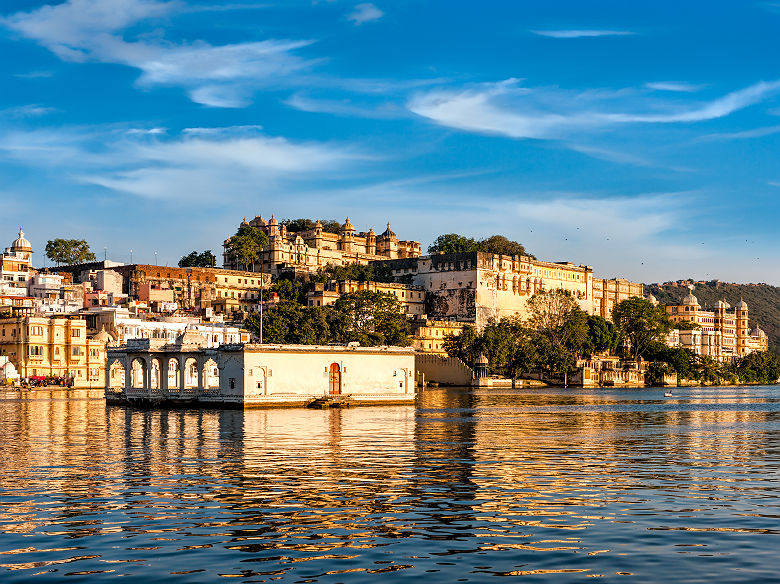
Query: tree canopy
point(69, 251)
point(355, 271)
point(640, 323)
point(370, 318)
point(204, 259)
point(245, 246)
point(296, 225)
point(455, 243)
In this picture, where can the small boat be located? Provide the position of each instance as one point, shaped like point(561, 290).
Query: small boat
point(668, 394)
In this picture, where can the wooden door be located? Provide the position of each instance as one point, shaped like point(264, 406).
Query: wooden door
point(334, 379)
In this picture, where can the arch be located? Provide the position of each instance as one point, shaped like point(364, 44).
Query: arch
point(155, 374)
point(190, 373)
point(116, 375)
point(138, 373)
point(210, 374)
point(334, 379)
point(174, 373)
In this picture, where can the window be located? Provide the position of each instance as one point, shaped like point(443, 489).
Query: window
point(76, 352)
point(75, 333)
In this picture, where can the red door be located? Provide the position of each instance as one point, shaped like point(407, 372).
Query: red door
point(334, 379)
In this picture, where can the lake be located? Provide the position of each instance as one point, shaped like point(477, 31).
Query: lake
point(468, 486)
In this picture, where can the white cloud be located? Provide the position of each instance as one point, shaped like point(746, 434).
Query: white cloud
point(549, 113)
point(576, 34)
point(27, 111)
point(365, 13)
point(345, 107)
point(744, 135)
point(217, 76)
point(201, 164)
point(675, 86)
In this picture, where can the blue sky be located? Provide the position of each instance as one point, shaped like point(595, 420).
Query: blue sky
point(641, 139)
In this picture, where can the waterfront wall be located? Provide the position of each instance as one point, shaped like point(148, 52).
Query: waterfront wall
point(443, 370)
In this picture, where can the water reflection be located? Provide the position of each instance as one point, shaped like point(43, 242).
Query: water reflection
point(464, 487)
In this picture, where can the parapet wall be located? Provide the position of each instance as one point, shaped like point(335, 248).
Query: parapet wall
point(443, 370)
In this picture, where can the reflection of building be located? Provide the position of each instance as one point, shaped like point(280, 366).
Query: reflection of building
point(151, 371)
point(307, 251)
point(54, 347)
point(721, 334)
point(16, 267)
point(411, 299)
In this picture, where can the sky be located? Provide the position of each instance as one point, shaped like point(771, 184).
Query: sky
point(642, 139)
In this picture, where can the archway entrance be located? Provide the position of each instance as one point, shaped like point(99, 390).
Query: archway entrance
point(334, 379)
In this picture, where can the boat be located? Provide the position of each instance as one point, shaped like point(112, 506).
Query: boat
point(668, 394)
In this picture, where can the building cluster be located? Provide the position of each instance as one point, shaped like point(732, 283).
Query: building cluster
point(58, 322)
point(721, 332)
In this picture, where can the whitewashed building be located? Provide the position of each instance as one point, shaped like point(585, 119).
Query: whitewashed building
point(154, 372)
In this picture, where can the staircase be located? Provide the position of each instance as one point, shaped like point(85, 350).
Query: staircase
point(329, 401)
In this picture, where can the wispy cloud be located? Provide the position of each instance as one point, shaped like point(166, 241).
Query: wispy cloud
point(744, 135)
point(199, 164)
point(218, 76)
point(676, 86)
point(507, 109)
point(580, 33)
point(346, 107)
point(27, 111)
point(364, 13)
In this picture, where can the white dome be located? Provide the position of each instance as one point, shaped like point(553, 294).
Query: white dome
point(690, 300)
point(741, 305)
point(20, 243)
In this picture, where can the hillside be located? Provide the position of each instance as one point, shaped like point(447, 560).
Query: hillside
point(763, 302)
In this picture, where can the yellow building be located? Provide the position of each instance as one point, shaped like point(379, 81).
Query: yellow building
point(54, 347)
point(428, 335)
point(307, 251)
point(609, 293)
point(410, 298)
point(722, 333)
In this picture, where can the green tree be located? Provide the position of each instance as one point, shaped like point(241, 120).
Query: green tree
point(758, 367)
point(69, 251)
point(453, 243)
point(204, 259)
point(640, 324)
point(561, 330)
point(371, 318)
point(245, 246)
point(499, 244)
point(466, 345)
point(602, 335)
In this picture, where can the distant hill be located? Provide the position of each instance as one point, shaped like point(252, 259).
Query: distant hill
point(763, 302)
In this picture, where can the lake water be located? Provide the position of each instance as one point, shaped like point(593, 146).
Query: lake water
point(551, 486)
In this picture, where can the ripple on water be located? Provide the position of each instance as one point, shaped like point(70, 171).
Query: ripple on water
point(554, 485)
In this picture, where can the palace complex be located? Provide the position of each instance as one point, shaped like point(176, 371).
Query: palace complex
point(304, 252)
point(722, 333)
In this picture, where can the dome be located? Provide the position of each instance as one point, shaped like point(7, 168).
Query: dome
point(348, 226)
point(20, 243)
point(371, 232)
point(690, 300)
point(652, 299)
point(244, 222)
point(758, 332)
point(388, 232)
point(741, 305)
point(103, 336)
point(273, 220)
